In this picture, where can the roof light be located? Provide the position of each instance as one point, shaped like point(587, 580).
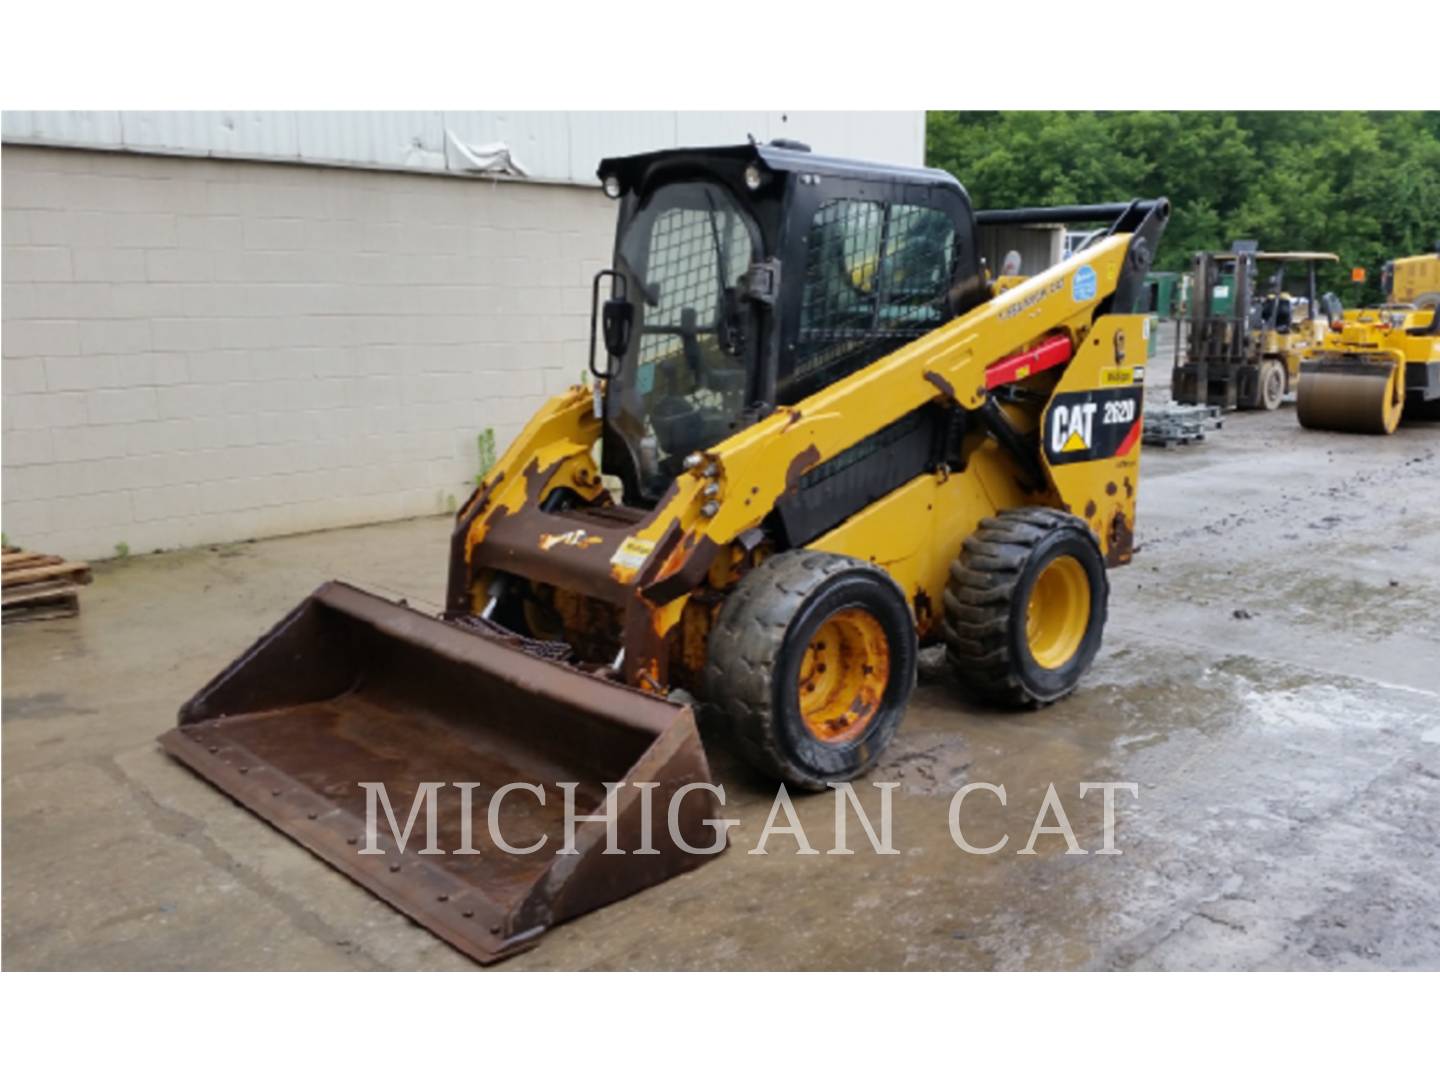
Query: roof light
point(754, 176)
point(612, 186)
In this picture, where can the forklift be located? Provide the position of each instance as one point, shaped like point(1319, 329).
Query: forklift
point(1240, 347)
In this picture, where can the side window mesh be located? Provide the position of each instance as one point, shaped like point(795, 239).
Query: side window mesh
point(876, 275)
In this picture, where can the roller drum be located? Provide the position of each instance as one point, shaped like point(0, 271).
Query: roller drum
point(1350, 395)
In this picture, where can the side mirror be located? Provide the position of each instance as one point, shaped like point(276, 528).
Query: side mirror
point(617, 316)
point(616, 320)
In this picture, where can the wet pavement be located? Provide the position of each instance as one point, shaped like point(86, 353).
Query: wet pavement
point(1270, 683)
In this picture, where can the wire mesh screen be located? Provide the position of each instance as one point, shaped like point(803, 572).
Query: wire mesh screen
point(876, 275)
point(684, 254)
point(694, 255)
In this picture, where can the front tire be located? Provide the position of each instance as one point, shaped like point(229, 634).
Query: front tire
point(1025, 608)
point(813, 658)
point(1272, 385)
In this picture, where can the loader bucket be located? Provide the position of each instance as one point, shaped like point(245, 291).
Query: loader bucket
point(350, 689)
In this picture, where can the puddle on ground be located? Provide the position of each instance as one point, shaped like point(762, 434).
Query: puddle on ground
point(926, 762)
point(40, 706)
point(1363, 605)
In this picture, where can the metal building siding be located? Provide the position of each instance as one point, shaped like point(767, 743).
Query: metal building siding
point(719, 128)
point(401, 140)
point(73, 128)
point(600, 135)
point(897, 138)
point(553, 146)
point(267, 135)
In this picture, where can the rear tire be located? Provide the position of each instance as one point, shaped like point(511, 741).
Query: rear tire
point(813, 658)
point(1025, 608)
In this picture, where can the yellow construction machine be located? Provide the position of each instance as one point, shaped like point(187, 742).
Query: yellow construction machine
point(818, 438)
point(1379, 365)
point(1243, 341)
point(1413, 280)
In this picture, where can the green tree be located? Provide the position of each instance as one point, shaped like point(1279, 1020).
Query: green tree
point(1364, 185)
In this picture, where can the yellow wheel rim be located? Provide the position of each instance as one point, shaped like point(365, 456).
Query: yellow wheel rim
point(1058, 612)
point(843, 676)
point(1394, 403)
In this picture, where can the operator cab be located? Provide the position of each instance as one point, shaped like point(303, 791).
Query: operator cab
point(1279, 312)
point(748, 277)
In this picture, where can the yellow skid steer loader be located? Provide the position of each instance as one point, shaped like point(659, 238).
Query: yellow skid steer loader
point(818, 438)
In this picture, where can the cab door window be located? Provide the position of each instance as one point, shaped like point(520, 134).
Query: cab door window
point(876, 275)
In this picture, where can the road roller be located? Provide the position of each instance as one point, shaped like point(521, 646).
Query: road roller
point(1413, 280)
point(1382, 365)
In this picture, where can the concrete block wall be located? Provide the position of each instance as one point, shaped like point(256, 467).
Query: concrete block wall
point(197, 351)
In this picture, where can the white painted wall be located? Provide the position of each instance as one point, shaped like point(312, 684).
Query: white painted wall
point(196, 351)
point(199, 348)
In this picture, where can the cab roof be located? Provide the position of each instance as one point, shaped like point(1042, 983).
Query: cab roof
point(777, 158)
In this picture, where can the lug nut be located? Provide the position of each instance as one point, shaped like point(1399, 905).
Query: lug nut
point(710, 509)
point(711, 490)
point(693, 461)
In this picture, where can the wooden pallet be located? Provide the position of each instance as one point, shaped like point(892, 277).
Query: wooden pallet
point(39, 586)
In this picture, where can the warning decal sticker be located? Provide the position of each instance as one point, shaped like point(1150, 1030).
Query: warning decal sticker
point(632, 553)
